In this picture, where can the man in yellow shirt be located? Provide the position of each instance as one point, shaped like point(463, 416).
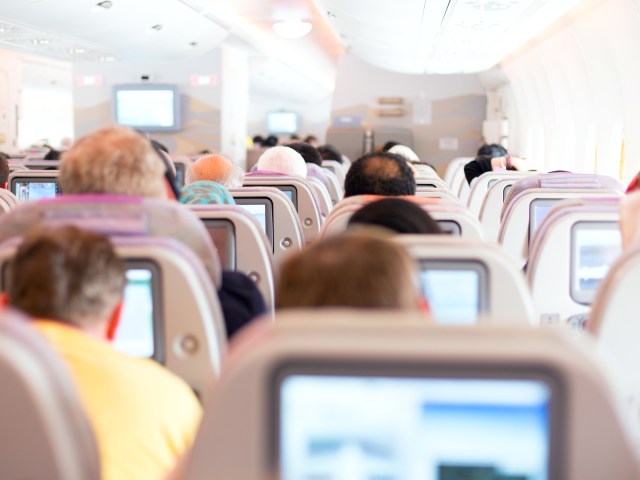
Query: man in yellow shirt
point(144, 417)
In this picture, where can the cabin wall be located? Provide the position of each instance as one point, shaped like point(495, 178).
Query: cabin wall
point(577, 94)
point(444, 112)
point(201, 103)
point(10, 82)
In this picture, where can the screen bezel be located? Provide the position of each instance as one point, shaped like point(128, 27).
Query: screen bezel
point(230, 262)
point(269, 214)
point(583, 297)
point(27, 179)
point(294, 193)
point(177, 113)
point(159, 353)
point(435, 370)
point(505, 191)
point(484, 289)
point(457, 229)
point(180, 172)
point(542, 202)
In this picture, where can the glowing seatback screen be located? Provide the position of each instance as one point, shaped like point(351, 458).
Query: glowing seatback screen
point(138, 332)
point(594, 247)
point(354, 427)
point(262, 210)
point(539, 208)
point(457, 291)
point(34, 189)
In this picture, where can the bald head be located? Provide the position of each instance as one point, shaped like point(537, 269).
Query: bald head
point(380, 173)
point(215, 168)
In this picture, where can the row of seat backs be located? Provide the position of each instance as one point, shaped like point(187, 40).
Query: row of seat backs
point(44, 432)
point(589, 439)
point(481, 185)
point(514, 229)
point(552, 260)
point(453, 214)
point(454, 174)
point(489, 215)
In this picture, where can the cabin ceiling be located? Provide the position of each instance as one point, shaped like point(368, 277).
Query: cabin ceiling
point(438, 36)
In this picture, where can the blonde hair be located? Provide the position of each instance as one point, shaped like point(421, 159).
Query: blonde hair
point(114, 160)
point(356, 269)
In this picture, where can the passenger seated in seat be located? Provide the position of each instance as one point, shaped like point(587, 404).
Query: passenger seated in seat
point(204, 192)
point(313, 160)
point(397, 215)
point(380, 173)
point(71, 282)
point(493, 157)
point(356, 269)
point(117, 160)
point(215, 168)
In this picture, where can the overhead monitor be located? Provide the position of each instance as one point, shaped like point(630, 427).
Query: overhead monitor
point(450, 227)
point(539, 208)
point(223, 236)
point(34, 188)
point(457, 290)
point(139, 332)
point(147, 107)
point(594, 248)
point(446, 424)
point(262, 210)
point(282, 122)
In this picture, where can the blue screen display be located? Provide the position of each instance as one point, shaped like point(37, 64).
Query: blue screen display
point(337, 428)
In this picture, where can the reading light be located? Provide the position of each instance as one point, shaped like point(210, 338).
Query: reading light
point(107, 58)
point(106, 4)
point(292, 28)
point(41, 41)
point(76, 51)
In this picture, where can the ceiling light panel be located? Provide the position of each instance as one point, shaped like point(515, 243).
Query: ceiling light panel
point(439, 36)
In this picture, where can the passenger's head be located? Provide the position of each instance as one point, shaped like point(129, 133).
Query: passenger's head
point(309, 154)
point(205, 192)
point(69, 275)
point(380, 173)
point(397, 215)
point(356, 269)
point(283, 160)
point(4, 170)
point(311, 140)
point(270, 141)
point(329, 152)
point(493, 150)
point(215, 168)
point(114, 160)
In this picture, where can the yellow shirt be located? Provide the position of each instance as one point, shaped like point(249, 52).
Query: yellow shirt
point(143, 416)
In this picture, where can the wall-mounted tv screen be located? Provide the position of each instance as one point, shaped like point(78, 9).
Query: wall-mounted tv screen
point(282, 122)
point(594, 247)
point(149, 108)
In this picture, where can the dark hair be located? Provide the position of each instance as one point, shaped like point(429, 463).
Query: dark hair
point(329, 152)
point(396, 214)
point(389, 145)
point(159, 146)
point(53, 154)
point(310, 138)
point(309, 153)
point(270, 141)
point(66, 274)
point(380, 173)
point(4, 168)
point(493, 150)
point(257, 140)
